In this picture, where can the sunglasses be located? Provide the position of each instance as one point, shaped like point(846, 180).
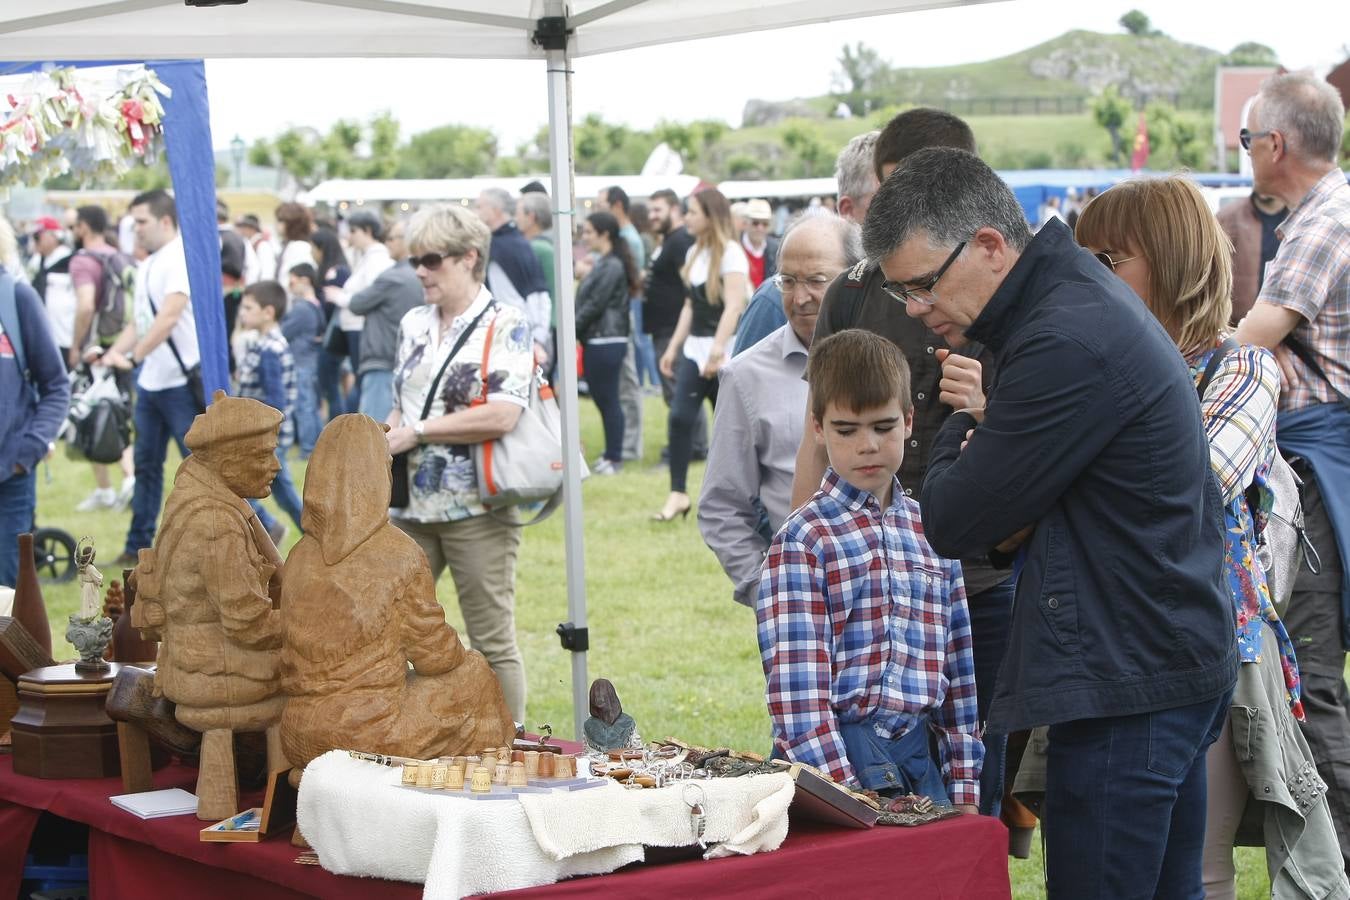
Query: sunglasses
point(1105, 259)
point(923, 294)
point(432, 261)
point(1246, 137)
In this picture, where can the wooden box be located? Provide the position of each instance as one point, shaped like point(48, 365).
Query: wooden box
point(61, 729)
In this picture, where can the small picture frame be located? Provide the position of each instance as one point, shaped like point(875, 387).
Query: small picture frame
point(253, 825)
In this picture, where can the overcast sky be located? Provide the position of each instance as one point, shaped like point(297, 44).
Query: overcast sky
point(713, 78)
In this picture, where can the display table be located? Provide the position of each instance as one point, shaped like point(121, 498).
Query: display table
point(130, 857)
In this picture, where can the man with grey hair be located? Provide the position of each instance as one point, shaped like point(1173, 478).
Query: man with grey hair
point(1293, 134)
point(747, 487)
point(514, 275)
point(1090, 459)
point(382, 304)
point(856, 183)
point(534, 218)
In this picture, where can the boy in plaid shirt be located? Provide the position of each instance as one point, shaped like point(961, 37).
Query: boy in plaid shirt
point(266, 372)
point(863, 629)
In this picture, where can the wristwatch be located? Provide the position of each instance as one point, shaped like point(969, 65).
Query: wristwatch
point(418, 427)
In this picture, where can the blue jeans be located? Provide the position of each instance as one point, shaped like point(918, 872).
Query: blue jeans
point(643, 350)
point(377, 394)
point(990, 621)
point(307, 423)
point(903, 765)
point(604, 365)
point(330, 385)
point(283, 491)
point(1125, 803)
point(354, 357)
point(160, 415)
point(18, 501)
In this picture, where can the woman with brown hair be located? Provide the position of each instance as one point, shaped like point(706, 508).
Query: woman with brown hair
point(1159, 236)
point(296, 224)
point(716, 274)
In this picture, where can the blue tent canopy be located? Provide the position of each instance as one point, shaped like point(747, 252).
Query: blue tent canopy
point(1033, 187)
point(187, 138)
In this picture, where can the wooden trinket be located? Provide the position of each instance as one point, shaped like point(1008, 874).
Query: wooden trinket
point(454, 778)
point(532, 763)
point(128, 646)
point(61, 729)
point(501, 772)
point(565, 767)
point(462, 762)
point(517, 756)
point(547, 763)
point(29, 607)
point(410, 774)
point(482, 781)
point(439, 773)
point(424, 774)
point(517, 778)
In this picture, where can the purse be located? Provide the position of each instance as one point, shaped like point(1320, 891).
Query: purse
point(334, 338)
point(525, 465)
point(399, 496)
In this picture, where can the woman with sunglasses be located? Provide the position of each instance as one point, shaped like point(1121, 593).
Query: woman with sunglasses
point(602, 327)
point(462, 376)
point(716, 274)
point(1159, 236)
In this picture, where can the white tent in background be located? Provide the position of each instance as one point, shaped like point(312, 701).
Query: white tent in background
point(554, 31)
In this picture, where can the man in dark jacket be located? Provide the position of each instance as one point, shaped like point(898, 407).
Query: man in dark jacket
point(1090, 448)
point(394, 291)
point(34, 397)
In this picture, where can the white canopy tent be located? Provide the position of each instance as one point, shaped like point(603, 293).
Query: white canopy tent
point(555, 31)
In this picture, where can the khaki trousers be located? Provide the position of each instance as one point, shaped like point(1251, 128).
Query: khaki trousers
point(481, 554)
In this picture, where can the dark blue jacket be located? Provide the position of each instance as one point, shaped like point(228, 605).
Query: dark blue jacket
point(29, 421)
point(1092, 433)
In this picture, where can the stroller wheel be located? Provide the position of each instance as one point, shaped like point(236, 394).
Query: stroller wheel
point(54, 555)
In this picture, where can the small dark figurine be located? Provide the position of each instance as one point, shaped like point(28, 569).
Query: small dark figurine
point(609, 727)
point(114, 601)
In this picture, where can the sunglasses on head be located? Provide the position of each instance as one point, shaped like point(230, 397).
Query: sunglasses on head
point(432, 261)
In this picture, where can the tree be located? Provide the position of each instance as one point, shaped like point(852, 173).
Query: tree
point(1110, 110)
point(860, 79)
point(384, 150)
point(1137, 24)
point(804, 140)
point(450, 151)
point(1250, 53)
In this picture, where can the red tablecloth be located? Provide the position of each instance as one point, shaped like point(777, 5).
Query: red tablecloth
point(131, 857)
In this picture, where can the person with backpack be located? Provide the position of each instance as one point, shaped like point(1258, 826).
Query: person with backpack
point(101, 275)
point(34, 396)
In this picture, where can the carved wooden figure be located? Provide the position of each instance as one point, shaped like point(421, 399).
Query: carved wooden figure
point(205, 592)
point(360, 605)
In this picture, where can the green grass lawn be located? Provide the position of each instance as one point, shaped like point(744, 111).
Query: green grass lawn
point(663, 625)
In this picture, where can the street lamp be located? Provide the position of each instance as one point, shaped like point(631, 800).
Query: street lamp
point(237, 148)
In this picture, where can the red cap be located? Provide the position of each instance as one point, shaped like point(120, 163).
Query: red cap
point(46, 223)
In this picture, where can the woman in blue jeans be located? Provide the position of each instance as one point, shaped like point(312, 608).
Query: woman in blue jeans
point(602, 327)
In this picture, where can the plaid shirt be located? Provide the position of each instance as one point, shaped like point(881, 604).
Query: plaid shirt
point(267, 373)
point(858, 619)
point(1311, 275)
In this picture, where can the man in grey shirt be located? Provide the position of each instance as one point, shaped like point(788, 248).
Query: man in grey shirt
point(747, 489)
point(395, 291)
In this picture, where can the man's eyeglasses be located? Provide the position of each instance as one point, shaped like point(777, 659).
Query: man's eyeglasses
point(431, 261)
point(1105, 259)
point(1246, 137)
point(789, 283)
point(923, 294)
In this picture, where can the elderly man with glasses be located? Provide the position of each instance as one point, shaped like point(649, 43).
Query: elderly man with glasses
point(747, 489)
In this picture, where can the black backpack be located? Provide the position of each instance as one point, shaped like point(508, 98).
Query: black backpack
point(847, 305)
point(104, 433)
point(110, 301)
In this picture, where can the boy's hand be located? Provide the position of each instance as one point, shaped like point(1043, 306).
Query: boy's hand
point(961, 387)
point(969, 809)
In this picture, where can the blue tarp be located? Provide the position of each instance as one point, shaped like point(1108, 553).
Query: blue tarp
point(1033, 187)
point(192, 166)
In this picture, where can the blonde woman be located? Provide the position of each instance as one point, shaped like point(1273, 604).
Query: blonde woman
point(1160, 238)
point(716, 275)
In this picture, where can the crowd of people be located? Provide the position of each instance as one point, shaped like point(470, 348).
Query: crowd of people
point(999, 495)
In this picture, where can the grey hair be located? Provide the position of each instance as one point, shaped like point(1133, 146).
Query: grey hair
point(847, 232)
point(1307, 110)
point(501, 199)
point(539, 206)
point(854, 174)
point(944, 195)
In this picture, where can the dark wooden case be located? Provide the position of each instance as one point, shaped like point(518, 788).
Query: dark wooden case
point(61, 729)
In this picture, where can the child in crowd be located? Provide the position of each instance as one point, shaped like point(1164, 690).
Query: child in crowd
point(303, 325)
point(266, 372)
point(863, 629)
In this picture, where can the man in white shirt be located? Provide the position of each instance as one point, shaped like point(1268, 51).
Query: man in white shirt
point(51, 280)
point(161, 339)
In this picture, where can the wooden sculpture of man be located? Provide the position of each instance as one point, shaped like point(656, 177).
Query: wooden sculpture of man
point(206, 593)
point(360, 607)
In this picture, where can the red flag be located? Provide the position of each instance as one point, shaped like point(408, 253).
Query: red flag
point(1140, 158)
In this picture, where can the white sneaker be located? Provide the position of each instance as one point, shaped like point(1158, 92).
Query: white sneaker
point(606, 467)
point(124, 493)
point(101, 498)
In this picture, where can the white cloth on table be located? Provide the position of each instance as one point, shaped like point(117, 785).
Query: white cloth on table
point(361, 822)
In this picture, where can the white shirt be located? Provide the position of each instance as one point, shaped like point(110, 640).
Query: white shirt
point(373, 261)
point(266, 254)
point(60, 299)
point(162, 273)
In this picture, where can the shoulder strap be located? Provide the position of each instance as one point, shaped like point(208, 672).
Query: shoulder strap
point(847, 306)
point(168, 340)
point(459, 345)
point(1212, 367)
point(1300, 349)
point(9, 318)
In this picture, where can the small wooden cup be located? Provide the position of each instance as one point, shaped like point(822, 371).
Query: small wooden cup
point(517, 778)
point(501, 772)
point(454, 778)
point(532, 763)
point(439, 772)
point(565, 767)
point(410, 773)
point(482, 781)
point(546, 765)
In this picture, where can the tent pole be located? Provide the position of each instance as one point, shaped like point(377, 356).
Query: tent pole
point(560, 164)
